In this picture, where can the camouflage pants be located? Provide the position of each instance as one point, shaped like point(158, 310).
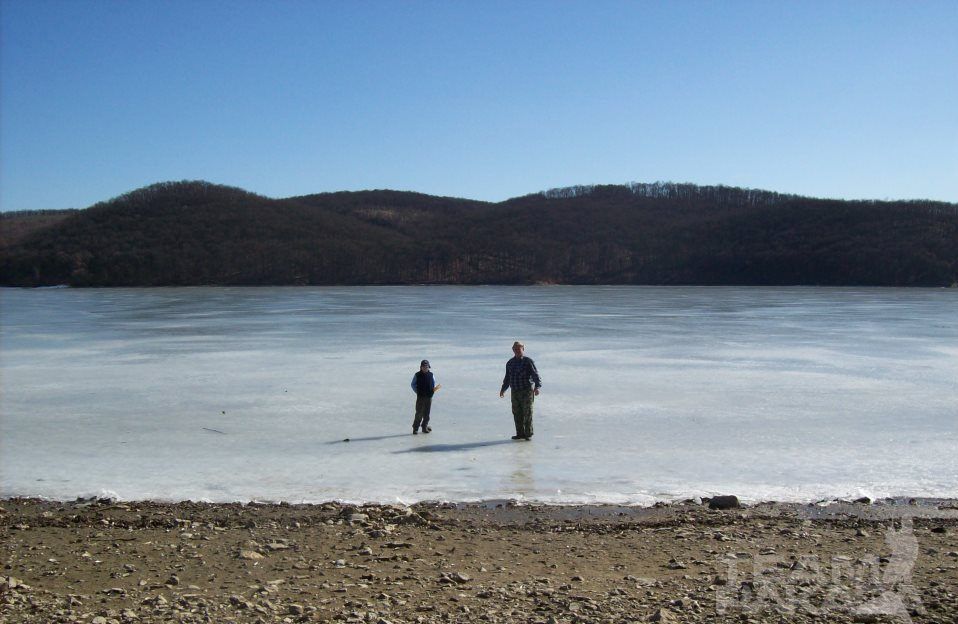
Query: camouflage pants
point(522, 412)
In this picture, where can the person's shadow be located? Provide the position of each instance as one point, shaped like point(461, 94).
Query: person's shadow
point(369, 439)
point(446, 448)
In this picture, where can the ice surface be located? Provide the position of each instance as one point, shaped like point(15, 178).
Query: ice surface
point(650, 393)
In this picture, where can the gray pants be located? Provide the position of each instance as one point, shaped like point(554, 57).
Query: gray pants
point(522, 412)
point(423, 405)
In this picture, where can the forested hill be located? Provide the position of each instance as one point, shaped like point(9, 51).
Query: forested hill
point(192, 233)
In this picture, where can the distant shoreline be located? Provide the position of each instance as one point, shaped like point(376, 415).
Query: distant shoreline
point(484, 285)
point(194, 233)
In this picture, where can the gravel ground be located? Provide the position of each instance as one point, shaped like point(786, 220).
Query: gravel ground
point(108, 562)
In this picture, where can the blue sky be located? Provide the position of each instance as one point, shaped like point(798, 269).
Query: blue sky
point(485, 100)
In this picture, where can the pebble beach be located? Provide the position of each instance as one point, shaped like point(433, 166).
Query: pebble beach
point(102, 561)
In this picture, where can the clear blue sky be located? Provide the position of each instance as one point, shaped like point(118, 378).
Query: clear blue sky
point(485, 100)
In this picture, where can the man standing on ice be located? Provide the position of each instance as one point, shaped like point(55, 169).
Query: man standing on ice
point(523, 378)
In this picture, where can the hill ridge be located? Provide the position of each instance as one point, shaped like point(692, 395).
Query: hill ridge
point(192, 232)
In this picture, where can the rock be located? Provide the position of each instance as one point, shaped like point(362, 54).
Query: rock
point(724, 502)
point(277, 546)
point(296, 609)
point(251, 555)
point(663, 615)
point(864, 500)
point(673, 564)
point(454, 578)
point(861, 533)
point(939, 529)
point(357, 518)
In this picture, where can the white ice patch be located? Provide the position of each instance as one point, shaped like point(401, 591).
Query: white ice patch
point(650, 394)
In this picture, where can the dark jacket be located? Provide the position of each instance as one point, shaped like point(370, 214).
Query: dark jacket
point(425, 384)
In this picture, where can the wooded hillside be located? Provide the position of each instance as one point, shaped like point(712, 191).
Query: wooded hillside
point(193, 233)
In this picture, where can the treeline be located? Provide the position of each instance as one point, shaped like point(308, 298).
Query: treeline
point(15, 226)
point(193, 233)
point(685, 192)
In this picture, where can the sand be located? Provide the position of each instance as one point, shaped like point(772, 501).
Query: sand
point(102, 561)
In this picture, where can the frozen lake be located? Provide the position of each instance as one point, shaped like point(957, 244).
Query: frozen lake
point(649, 393)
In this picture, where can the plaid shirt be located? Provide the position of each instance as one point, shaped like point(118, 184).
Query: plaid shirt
point(521, 374)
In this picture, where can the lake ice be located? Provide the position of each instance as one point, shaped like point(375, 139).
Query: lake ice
point(650, 393)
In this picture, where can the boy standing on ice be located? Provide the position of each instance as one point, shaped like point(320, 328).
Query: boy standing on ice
point(424, 385)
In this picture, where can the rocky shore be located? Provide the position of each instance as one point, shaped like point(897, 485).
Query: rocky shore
point(108, 562)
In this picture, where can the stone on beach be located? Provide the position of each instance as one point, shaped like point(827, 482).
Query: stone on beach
point(724, 502)
point(663, 615)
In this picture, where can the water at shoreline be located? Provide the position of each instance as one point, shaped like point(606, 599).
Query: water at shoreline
point(650, 393)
